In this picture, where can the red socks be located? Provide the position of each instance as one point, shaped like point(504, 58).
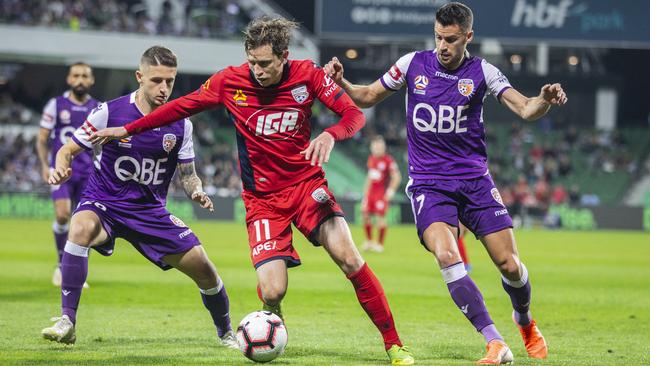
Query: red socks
point(368, 228)
point(373, 301)
point(463, 252)
point(382, 235)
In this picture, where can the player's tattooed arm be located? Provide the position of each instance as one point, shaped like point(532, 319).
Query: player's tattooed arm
point(193, 186)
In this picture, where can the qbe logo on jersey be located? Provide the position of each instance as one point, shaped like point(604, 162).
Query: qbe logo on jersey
point(273, 124)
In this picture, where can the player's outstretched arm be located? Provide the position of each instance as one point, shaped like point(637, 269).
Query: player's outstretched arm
point(364, 96)
point(62, 170)
point(193, 186)
point(164, 115)
point(534, 108)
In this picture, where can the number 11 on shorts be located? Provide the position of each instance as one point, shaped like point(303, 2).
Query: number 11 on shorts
point(258, 230)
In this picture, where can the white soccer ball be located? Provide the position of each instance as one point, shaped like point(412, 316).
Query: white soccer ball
point(262, 336)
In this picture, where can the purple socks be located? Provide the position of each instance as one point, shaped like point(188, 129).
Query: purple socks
point(74, 270)
point(469, 300)
point(216, 301)
point(519, 292)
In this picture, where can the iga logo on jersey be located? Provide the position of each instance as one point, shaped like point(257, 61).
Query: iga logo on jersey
point(300, 93)
point(466, 87)
point(276, 123)
point(168, 142)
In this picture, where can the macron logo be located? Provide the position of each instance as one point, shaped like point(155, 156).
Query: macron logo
point(464, 309)
point(65, 292)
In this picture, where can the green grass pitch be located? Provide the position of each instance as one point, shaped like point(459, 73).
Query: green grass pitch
point(591, 297)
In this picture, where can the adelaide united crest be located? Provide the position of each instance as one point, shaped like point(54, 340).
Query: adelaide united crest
point(168, 142)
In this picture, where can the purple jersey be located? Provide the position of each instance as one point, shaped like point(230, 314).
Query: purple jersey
point(444, 113)
point(62, 116)
point(133, 172)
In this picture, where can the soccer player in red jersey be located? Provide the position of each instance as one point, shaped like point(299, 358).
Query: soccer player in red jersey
point(269, 100)
point(382, 181)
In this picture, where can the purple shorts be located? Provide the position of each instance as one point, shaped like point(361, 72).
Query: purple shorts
point(474, 202)
point(70, 190)
point(154, 232)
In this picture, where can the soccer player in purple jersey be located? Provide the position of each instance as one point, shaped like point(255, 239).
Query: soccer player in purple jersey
point(62, 115)
point(126, 196)
point(449, 179)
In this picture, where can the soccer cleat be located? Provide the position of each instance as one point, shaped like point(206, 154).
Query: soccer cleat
point(56, 277)
point(533, 340)
point(377, 248)
point(400, 355)
point(229, 340)
point(367, 245)
point(498, 353)
point(275, 309)
point(62, 331)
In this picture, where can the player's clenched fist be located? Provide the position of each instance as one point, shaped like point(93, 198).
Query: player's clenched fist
point(319, 149)
point(59, 175)
point(203, 199)
point(334, 69)
point(554, 94)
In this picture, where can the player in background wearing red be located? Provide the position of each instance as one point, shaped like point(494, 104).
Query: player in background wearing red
point(382, 181)
point(269, 100)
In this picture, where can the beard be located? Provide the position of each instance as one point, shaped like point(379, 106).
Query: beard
point(79, 91)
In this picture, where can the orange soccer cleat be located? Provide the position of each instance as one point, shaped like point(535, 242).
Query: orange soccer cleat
point(498, 353)
point(533, 340)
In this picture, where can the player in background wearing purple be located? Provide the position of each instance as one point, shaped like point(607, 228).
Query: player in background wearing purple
point(449, 178)
point(126, 196)
point(62, 115)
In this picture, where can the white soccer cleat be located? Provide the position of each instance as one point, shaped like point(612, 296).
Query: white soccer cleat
point(367, 245)
point(62, 331)
point(377, 248)
point(56, 277)
point(229, 340)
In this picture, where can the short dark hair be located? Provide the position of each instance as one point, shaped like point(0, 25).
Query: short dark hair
point(377, 138)
point(455, 13)
point(275, 32)
point(157, 56)
point(80, 63)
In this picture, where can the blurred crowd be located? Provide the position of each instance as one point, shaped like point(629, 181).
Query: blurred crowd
point(192, 18)
point(533, 170)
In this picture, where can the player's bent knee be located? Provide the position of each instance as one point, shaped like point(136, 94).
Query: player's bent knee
point(83, 232)
point(510, 268)
point(351, 264)
point(273, 293)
